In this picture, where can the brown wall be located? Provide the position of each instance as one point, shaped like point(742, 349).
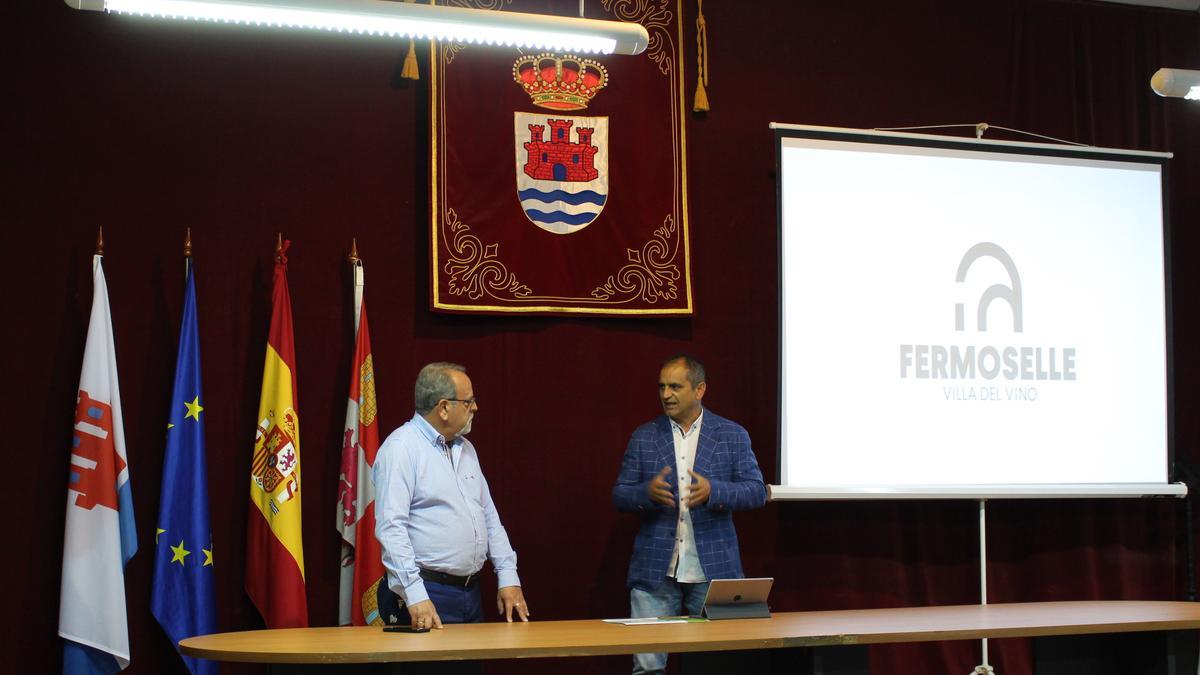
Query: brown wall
point(150, 127)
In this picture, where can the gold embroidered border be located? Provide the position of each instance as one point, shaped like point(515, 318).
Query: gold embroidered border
point(475, 268)
point(650, 276)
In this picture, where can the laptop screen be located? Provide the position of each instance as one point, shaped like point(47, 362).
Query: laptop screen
point(738, 591)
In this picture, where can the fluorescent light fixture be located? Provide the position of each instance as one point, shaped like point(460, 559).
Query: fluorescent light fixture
point(382, 17)
point(1177, 83)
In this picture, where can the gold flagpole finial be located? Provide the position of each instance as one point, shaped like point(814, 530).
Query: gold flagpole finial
point(279, 247)
point(353, 257)
point(100, 241)
point(187, 243)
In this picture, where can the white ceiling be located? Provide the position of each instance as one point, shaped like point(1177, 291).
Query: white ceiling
point(1191, 5)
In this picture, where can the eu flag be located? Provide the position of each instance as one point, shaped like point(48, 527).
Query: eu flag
point(182, 596)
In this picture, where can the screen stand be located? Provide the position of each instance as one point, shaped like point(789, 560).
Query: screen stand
point(741, 610)
point(983, 668)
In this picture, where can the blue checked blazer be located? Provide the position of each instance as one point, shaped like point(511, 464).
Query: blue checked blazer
point(725, 458)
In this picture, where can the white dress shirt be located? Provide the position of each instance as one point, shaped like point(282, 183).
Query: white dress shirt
point(685, 561)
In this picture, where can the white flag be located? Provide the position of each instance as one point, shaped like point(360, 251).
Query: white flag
point(100, 536)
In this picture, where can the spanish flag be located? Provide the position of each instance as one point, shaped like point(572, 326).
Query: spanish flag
point(274, 550)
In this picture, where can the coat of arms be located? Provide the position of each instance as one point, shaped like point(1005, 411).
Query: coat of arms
point(562, 176)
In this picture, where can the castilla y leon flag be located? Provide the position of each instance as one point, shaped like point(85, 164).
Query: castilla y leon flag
point(589, 213)
point(274, 549)
point(100, 535)
point(362, 561)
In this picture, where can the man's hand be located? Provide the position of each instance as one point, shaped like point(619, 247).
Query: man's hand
point(698, 491)
point(659, 489)
point(424, 615)
point(510, 598)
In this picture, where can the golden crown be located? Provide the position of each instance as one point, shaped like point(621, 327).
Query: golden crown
point(560, 82)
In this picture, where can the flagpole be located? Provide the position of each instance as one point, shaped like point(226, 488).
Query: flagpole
point(362, 565)
point(187, 252)
point(99, 529)
point(274, 538)
point(356, 273)
point(346, 595)
point(96, 259)
point(182, 597)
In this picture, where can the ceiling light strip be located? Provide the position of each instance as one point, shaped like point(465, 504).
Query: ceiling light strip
point(379, 17)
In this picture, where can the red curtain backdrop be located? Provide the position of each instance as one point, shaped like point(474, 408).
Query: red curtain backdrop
point(558, 179)
point(147, 127)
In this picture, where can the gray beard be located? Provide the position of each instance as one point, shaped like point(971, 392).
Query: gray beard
point(466, 427)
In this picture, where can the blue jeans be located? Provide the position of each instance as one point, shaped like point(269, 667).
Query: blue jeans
point(454, 604)
point(671, 598)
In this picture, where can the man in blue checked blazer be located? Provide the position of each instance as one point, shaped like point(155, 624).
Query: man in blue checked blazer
point(684, 474)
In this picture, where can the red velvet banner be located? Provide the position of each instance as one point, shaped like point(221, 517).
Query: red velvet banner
point(559, 181)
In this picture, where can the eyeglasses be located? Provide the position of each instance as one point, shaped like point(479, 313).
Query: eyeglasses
point(469, 401)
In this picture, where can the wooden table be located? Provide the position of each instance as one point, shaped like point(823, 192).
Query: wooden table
point(789, 629)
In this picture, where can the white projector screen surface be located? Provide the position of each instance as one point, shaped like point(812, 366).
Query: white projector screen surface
point(969, 318)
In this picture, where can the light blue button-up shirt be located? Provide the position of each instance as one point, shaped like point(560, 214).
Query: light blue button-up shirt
point(435, 512)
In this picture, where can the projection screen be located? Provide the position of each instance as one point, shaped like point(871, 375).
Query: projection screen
point(968, 318)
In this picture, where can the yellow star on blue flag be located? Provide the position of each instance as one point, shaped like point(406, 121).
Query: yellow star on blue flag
point(193, 409)
point(178, 553)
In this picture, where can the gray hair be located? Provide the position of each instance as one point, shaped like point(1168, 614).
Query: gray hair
point(694, 367)
point(434, 384)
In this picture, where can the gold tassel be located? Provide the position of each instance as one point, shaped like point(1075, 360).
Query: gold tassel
point(700, 104)
point(410, 70)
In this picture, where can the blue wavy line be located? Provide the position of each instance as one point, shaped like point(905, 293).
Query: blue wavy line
point(585, 197)
point(560, 217)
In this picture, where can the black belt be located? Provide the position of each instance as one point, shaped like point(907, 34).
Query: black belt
point(469, 581)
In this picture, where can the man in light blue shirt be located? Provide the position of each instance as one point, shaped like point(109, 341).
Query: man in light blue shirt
point(434, 514)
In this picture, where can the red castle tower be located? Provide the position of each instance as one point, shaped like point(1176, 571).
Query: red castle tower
point(559, 159)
